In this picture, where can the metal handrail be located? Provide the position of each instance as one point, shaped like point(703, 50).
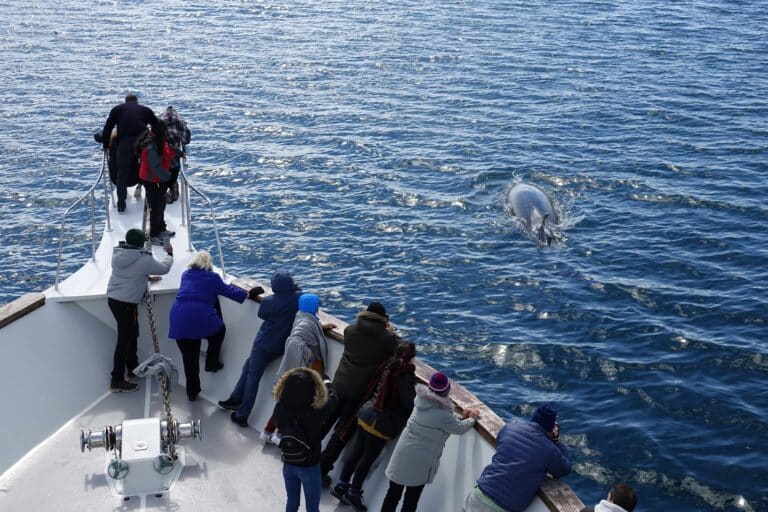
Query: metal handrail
point(186, 218)
point(91, 194)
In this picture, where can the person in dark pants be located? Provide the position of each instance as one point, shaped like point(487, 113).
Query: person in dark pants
point(179, 136)
point(379, 420)
point(131, 267)
point(131, 120)
point(368, 342)
point(155, 173)
point(278, 312)
point(194, 316)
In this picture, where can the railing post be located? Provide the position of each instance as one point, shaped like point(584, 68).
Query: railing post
point(92, 201)
point(106, 193)
point(189, 218)
point(183, 197)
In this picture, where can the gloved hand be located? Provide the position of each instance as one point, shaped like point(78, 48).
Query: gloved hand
point(255, 292)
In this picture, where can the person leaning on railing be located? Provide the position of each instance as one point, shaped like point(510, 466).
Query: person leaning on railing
point(416, 458)
point(525, 453)
point(194, 316)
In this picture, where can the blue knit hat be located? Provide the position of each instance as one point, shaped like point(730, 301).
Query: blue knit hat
point(309, 303)
point(546, 417)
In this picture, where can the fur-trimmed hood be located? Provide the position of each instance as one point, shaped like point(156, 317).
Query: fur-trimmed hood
point(300, 388)
point(366, 316)
point(425, 397)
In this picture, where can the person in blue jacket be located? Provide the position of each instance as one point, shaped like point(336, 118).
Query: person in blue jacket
point(194, 315)
point(277, 312)
point(525, 453)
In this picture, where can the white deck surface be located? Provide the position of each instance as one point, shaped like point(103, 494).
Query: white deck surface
point(91, 279)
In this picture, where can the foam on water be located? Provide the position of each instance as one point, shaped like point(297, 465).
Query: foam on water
point(368, 145)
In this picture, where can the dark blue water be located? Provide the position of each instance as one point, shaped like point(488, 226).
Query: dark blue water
point(367, 146)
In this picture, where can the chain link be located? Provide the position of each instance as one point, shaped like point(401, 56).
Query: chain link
point(161, 378)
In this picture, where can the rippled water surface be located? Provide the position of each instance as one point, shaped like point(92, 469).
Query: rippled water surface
point(368, 145)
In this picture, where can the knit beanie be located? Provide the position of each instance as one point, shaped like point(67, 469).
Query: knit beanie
point(135, 237)
point(546, 417)
point(309, 303)
point(378, 308)
point(440, 384)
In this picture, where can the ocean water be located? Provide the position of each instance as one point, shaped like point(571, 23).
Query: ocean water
point(368, 145)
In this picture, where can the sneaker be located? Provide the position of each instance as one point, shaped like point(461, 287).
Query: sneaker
point(275, 439)
point(137, 192)
point(167, 234)
point(229, 405)
point(123, 387)
point(120, 207)
point(339, 492)
point(264, 436)
point(192, 398)
point(157, 240)
point(243, 422)
point(355, 498)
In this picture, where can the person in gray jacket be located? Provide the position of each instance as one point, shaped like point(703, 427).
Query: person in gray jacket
point(131, 267)
point(416, 457)
point(306, 347)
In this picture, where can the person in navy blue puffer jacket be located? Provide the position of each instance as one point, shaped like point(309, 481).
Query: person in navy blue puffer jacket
point(195, 315)
point(525, 453)
point(278, 312)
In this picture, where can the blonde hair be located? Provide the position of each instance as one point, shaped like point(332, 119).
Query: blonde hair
point(202, 261)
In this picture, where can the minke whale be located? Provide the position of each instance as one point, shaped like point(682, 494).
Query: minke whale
point(532, 206)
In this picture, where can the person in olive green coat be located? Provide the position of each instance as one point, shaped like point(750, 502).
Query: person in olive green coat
point(416, 457)
point(368, 342)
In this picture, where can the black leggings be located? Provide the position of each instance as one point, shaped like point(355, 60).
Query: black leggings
point(126, 315)
point(412, 495)
point(190, 354)
point(363, 453)
point(156, 200)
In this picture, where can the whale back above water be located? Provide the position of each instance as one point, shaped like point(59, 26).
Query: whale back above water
point(534, 209)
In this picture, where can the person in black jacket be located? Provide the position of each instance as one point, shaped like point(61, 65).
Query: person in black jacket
point(304, 402)
point(368, 342)
point(131, 120)
point(379, 420)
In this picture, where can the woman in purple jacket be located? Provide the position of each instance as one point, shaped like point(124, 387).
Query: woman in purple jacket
point(194, 316)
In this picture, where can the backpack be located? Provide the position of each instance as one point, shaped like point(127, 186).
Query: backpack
point(154, 159)
point(293, 448)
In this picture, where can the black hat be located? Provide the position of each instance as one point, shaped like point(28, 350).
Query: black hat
point(378, 308)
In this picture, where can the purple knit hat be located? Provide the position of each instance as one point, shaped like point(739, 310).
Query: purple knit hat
point(440, 384)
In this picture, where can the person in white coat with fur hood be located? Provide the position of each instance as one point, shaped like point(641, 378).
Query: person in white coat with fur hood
point(416, 457)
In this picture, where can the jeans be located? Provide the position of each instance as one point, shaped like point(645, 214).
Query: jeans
point(156, 200)
point(365, 450)
point(247, 386)
point(412, 495)
point(127, 317)
point(309, 477)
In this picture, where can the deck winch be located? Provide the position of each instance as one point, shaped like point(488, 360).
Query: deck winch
point(139, 457)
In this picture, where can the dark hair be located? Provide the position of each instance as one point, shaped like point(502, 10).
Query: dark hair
point(159, 131)
point(624, 496)
point(131, 98)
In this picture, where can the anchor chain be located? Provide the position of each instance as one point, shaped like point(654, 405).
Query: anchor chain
point(161, 378)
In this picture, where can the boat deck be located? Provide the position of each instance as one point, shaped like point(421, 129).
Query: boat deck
point(230, 469)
